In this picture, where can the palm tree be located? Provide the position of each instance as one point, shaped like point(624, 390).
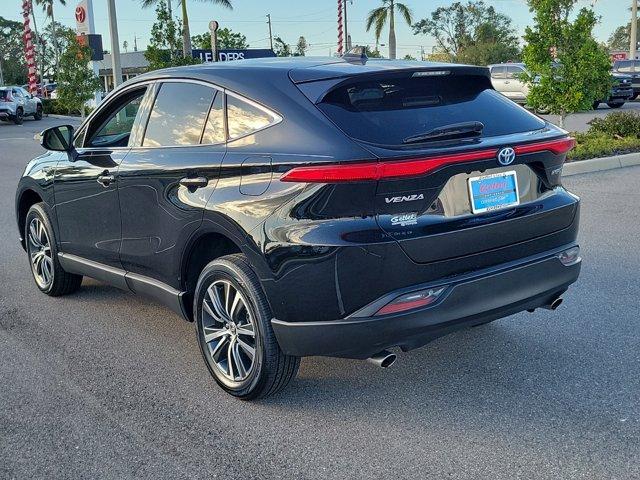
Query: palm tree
point(186, 35)
point(47, 7)
point(378, 16)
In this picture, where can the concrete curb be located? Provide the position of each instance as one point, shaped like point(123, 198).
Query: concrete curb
point(63, 117)
point(599, 164)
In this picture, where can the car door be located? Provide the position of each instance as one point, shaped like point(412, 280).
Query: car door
point(85, 183)
point(165, 181)
point(20, 100)
point(515, 87)
point(29, 102)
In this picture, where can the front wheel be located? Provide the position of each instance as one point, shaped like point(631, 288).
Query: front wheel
point(18, 118)
point(47, 272)
point(615, 105)
point(233, 326)
point(38, 114)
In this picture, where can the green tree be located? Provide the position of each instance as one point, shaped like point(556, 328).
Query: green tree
point(471, 33)
point(409, 57)
point(186, 35)
point(51, 49)
point(165, 38)
point(281, 48)
point(372, 52)
point(227, 39)
point(378, 17)
point(620, 39)
point(301, 47)
point(12, 61)
point(77, 83)
point(47, 7)
point(567, 69)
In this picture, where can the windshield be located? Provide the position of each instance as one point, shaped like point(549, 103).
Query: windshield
point(627, 66)
point(388, 111)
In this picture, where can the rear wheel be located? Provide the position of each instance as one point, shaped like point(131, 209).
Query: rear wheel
point(615, 105)
point(18, 117)
point(596, 105)
point(233, 325)
point(635, 95)
point(47, 272)
point(38, 114)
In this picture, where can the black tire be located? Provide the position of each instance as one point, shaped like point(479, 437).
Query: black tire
point(615, 105)
point(596, 105)
point(38, 114)
point(270, 369)
point(62, 282)
point(18, 118)
point(635, 95)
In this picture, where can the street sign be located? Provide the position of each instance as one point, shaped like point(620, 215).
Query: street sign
point(227, 55)
point(213, 26)
point(82, 18)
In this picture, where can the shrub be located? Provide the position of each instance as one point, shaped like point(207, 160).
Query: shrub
point(618, 124)
point(597, 144)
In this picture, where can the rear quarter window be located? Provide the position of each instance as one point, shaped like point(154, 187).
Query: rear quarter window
point(386, 111)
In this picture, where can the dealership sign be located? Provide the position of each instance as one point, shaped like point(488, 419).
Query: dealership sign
point(82, 18)
point(227, 55)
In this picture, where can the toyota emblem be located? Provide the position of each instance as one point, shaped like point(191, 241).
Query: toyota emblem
point(506, 156)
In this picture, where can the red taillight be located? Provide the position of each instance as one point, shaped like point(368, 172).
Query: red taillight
point(371, 171)
point(562, 145)
point(411, 301)
point(378, 170)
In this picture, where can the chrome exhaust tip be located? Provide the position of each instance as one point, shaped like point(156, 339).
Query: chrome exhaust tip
point(383, 359)
point(553, 305)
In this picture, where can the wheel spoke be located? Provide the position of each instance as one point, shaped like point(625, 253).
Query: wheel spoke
point(227, 298)
point(211, 333)
point(240, 368)
point(214, 295)
point(230, 360)
point(248, 349)
point(33, 235)
point(215, 351)
point(237, 300)
point(246, 329)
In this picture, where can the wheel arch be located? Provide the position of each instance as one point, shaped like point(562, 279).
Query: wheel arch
point(27, 198)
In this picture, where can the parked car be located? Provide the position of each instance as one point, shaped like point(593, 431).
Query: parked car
point(295, 207)
point(632, 69)
point(621, 91)
point(505, 78)
point(16, 103)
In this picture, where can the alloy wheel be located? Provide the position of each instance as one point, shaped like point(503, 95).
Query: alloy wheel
point(229, 331)
point(40, 253)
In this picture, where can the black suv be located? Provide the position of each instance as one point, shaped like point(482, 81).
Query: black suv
point(294, 207)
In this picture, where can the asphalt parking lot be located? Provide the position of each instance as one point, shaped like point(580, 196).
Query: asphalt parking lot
point(102, 384)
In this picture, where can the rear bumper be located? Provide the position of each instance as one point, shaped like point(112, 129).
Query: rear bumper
point(470, 299)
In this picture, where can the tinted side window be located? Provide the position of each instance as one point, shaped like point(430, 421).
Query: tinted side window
point(497, 72)
point(114, 128)
point(178, 115)
point(244, 118)
point(214, 130)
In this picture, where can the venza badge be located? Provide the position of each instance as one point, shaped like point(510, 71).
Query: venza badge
point(506, 156)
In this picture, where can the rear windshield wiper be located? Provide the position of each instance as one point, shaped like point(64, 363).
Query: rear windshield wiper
point(453, 130)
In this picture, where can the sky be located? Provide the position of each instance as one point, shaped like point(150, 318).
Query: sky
point(315, 20)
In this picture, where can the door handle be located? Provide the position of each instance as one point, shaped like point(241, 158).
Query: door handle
point(194, 183)
point(106, 179)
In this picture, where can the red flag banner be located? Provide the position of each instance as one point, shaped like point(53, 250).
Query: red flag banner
point(340, 33)
point(29, 49)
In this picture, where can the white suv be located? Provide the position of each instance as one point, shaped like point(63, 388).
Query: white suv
point(16, 103)
point(505, 78)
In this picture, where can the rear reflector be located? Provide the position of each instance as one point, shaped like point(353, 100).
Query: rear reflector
point(411, 300)
point(373, 171)
point(356, 172)
point(570, 257)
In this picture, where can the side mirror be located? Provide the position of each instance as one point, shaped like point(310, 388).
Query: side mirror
point(58, 139)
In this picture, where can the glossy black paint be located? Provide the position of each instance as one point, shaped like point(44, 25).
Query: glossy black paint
point(321, 251)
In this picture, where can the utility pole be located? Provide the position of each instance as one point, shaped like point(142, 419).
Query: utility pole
point(346, 32)
point(115, 44)
point(634, 30)
point(270, 34)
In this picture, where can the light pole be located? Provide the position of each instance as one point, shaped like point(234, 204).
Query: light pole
point(115, 44)
point(634, 30)
point(270, 34)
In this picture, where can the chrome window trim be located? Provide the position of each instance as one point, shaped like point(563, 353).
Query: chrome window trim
point(276, 117)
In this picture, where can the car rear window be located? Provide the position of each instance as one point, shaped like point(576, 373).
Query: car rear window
point(388, 110)
point(3, 94)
